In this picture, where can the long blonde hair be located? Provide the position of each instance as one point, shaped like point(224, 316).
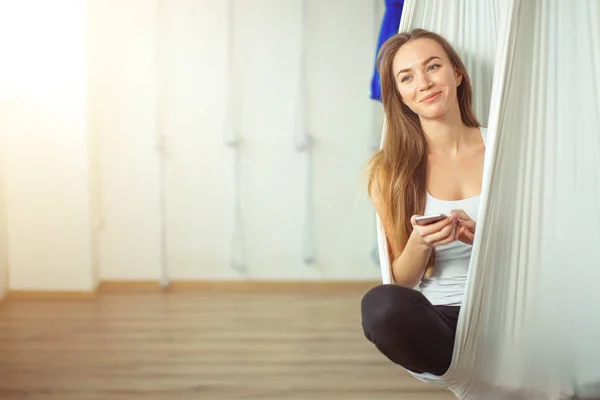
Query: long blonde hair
point(402, 159)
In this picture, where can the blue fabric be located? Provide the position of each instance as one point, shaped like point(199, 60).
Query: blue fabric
point(389, 27)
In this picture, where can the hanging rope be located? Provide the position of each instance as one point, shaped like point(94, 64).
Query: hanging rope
point(301, 135)
point(303, 142)
point(232, 139)
point(161, 146)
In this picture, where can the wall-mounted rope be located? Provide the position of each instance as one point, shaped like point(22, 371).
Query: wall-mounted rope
point(161, 141)
point(231, 136)
point(303, 141)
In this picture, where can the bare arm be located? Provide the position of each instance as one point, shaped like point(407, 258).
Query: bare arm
point(408, 266)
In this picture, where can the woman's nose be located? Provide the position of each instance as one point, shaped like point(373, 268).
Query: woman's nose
point(423, 82)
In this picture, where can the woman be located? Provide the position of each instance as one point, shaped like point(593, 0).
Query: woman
point(431, 162)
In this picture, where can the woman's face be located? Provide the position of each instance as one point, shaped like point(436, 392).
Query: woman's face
point(425, 78)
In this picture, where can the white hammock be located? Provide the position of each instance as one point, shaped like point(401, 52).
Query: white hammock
point(530, 323)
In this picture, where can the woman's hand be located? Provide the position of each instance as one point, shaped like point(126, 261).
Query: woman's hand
point(466, 227)
point(441, 232)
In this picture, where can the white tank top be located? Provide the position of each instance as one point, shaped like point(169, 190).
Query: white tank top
point(447, 284)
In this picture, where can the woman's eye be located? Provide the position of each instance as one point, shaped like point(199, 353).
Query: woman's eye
point(405, 78)
point(432, 67)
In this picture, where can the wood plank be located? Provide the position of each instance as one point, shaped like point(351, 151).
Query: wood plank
point(292, 345)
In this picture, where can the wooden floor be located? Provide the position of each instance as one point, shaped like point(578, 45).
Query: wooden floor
point(200, 346)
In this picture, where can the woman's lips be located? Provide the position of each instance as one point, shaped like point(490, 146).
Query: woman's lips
point(431, 97)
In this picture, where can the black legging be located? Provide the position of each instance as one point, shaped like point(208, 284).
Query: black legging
point(408, 329)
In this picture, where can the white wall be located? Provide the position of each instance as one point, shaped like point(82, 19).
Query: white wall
point(45, 146)
point(89, 192)
point(122, 81)
point(199, 168)
point(3, 233)
point(5, 89)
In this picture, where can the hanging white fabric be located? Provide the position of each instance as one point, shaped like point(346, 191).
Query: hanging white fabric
point(528, 328)
point(375, 135)
point(472, 28)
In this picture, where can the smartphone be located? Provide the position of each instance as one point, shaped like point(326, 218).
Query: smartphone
point(430, 219)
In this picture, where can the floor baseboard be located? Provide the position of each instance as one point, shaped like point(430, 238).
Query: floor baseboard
point(48, 295)
point(129, 286)
point(270, 286)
